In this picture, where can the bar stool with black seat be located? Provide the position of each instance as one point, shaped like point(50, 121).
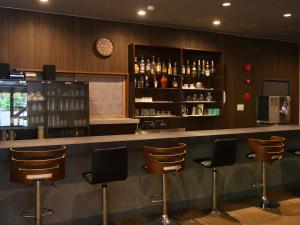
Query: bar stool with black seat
point(162, 161)
point(37, 164)
point(223, 154)
point(108, 165)
point(266, 151)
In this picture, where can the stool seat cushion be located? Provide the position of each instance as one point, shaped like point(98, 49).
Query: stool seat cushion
point(206, 162)
point(88, 177)
point(294, 151)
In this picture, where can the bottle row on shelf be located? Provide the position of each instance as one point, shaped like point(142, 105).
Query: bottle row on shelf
point(166, 82)
point(198, 68)
point(199, 97)
point(196, 97)
point(153, 113)
point(186, 111)
point(199, 110)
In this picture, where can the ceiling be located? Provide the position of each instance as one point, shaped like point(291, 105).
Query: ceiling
point(251, 18)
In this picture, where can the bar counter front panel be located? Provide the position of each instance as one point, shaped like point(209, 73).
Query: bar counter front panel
point(76, 203)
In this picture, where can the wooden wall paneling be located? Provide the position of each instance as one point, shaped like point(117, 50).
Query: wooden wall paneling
point(31, 39)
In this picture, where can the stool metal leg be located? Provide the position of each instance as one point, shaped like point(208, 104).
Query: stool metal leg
point(264, 202)
point(104, 204)
point(38, 202)
point(38, 212)
point(164, 220)
point(215, 211)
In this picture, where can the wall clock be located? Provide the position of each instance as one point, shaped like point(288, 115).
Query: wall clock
point(104, 46)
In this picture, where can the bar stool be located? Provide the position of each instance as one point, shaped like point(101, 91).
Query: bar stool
point(266, 151)
point(162, 161)
point(108, 165)
point(37, 164)
point(223, 154)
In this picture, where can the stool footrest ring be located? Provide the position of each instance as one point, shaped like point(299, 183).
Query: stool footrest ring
point(30, 213)
point(158, 198)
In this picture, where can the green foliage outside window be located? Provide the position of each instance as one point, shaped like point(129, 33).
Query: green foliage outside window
point(4, 101)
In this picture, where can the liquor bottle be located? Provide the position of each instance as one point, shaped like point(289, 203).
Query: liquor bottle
point(148, 67)
point(163, 68)
point(174, 70)
point(136, 66)
point(203, 68)
point(183, 69)
point(155, 82)
point(194, 70)
point(152, 68)
point(199, 71)
point(169, 68)
point(207, 70)
point(213, 69)
point(164, 81)
point(141, 82)
point(147, 83)
point(188, 69)
point(142, 66)
point(158, 67)
point(174, 83)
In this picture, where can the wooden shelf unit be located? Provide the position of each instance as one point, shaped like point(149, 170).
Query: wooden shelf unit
point(177, 96)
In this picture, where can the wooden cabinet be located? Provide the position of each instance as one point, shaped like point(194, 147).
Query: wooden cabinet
point(196, 94)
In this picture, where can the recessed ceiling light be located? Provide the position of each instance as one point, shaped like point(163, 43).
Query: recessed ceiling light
point(216, 22)
point(226, 4)
point(44, 1)
point(150, 7)
point(286, 15)
point(141, 12)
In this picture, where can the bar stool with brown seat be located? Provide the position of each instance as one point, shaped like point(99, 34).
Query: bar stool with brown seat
point(108, 165)
point(162, 161)
point(266, 151)
point(37, 164)
point(223, 154)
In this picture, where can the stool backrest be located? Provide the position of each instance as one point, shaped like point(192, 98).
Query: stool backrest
point(224, 152)
point(270, 153)
point(164, 160)
point(268, 150)
point(37, 163)
point(110, 164)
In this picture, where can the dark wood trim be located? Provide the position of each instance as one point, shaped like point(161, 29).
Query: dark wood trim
point(79, 72)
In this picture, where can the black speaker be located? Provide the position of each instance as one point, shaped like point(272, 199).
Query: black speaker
point(4, 71)
point(49, 72)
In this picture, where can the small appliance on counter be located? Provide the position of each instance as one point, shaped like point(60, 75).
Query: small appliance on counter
point(20, 75)
point(273, 109)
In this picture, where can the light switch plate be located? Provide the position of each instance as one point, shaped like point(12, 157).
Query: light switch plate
point(240, 107)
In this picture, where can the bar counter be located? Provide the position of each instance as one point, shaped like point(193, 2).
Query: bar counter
point(150, 136)
point(76, 203)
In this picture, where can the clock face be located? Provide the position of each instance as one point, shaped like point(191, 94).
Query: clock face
point(104, 47)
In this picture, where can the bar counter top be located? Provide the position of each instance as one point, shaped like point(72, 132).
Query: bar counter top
point(145, 137)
